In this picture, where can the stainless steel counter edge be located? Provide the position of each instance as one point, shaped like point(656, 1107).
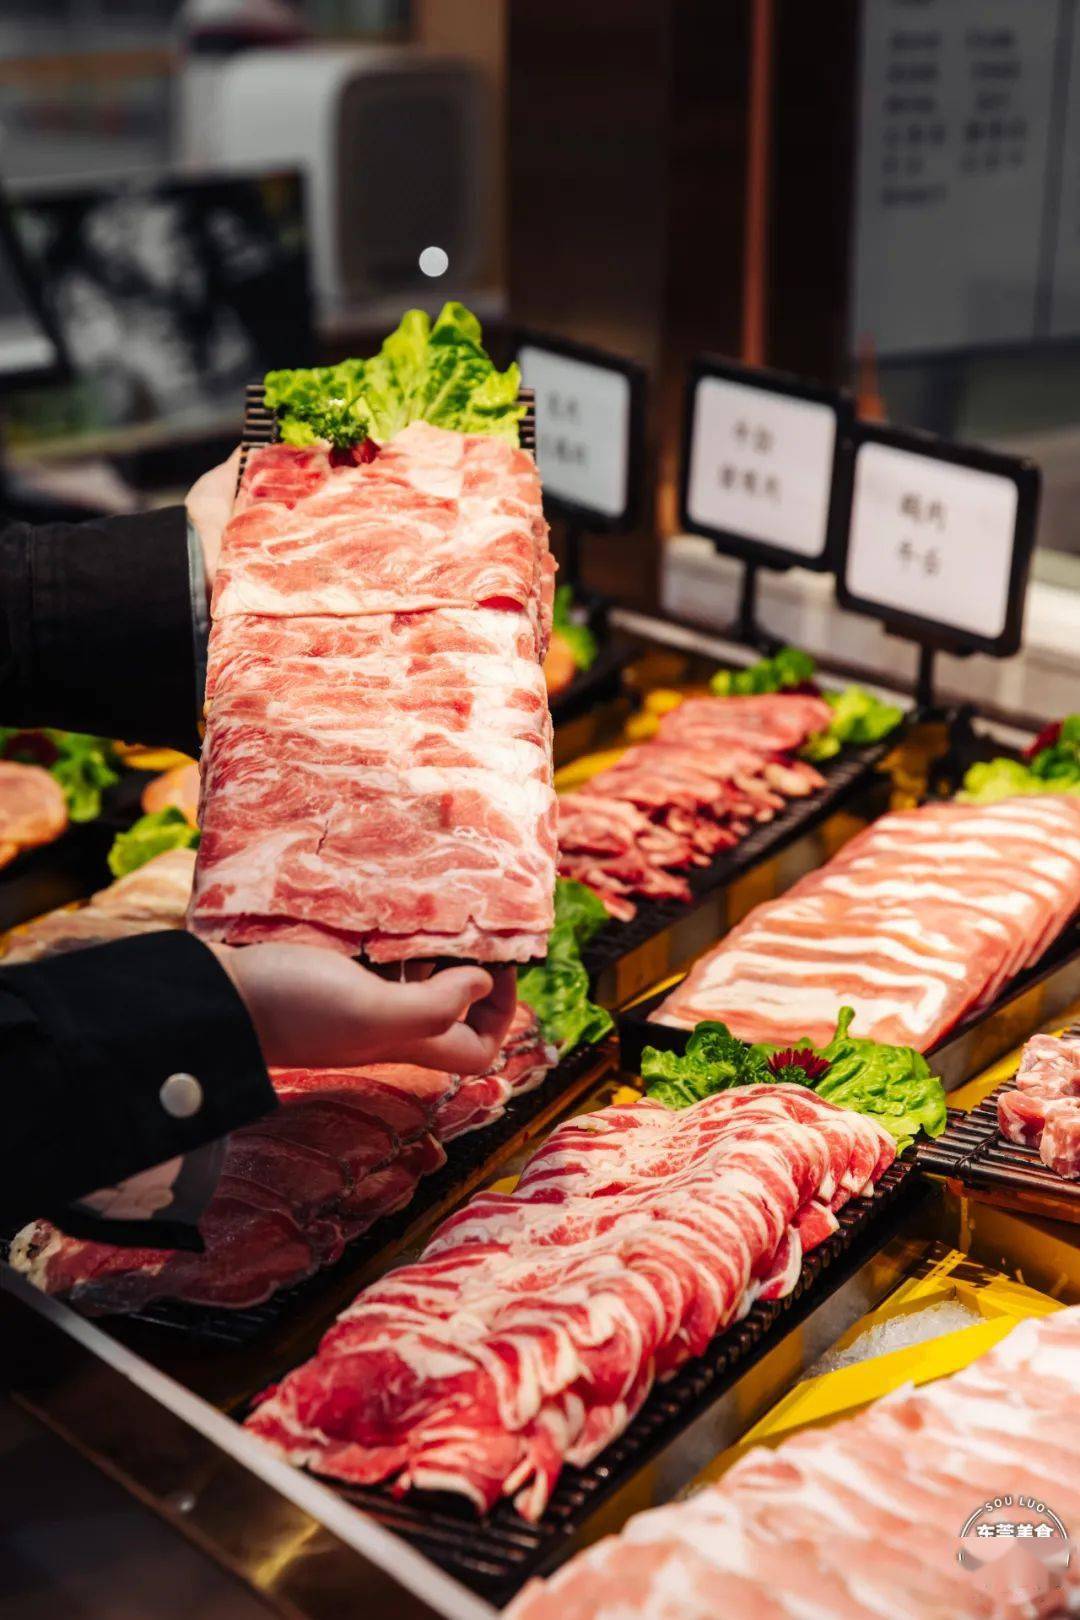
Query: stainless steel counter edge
point(395, 1558)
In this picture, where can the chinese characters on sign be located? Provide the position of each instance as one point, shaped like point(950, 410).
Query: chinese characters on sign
point(760, 466)
point(959, 164)
point(559, 430)
point(755, 480)
point(921, 512)
point(932, 539)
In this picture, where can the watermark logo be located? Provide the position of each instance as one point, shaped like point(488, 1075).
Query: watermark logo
point(1016, 1549)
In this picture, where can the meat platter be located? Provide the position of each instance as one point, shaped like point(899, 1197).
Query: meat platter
point(977, 1159)
point(1042, 993)
point(949, 928)
point(495, 1552)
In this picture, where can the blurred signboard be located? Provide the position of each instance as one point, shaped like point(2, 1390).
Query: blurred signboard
point(967, 214)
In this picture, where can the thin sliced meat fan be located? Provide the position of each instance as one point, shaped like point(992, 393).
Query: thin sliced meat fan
point(918, 922)
point(533, 1326)
point(864, 1518)
point(716, 768)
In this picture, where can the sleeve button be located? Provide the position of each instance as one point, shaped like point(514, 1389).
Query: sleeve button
point(181, 1096)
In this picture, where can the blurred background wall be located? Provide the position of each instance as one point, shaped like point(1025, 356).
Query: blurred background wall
point(884, 193)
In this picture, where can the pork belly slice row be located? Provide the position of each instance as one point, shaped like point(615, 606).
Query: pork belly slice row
point(827, 1522)
point(920, 920)
point(533, 1326)
point(377, 765)
point(716, 767)
point(344, 1148)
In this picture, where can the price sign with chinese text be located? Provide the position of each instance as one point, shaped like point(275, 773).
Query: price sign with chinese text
point(759, 462)
point(938, 539)
point(589, 430)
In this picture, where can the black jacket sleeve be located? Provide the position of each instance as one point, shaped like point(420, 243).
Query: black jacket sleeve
point(89, 1043)
point(96, 630)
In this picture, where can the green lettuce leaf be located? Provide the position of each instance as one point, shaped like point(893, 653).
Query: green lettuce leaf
point(83, 765)
point(437, 373)
point(859, 718)
point(151, 835)
point(995, 779)
point(578, 637)
point(557, 989)
point(789, 667)
point(894, 1084)
point(714, 1060)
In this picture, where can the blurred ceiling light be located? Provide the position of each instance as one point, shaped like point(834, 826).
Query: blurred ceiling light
point(434, 261)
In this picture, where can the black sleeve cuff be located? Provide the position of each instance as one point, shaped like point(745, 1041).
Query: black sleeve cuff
point(115, 1023)
point(99, 628)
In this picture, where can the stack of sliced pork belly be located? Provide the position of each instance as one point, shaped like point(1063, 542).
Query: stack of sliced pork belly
point(1043, 1109)
point(918, 921)
point(864, 1519)
point(344, 1147)
point(377, 762)
point(535, 1323)
point(716, 768)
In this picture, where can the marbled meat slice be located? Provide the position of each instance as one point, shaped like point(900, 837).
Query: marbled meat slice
point(438, 519)
point(345, 1148)
point(1042, 1109)
point(468, 632)
point(396, 852)
point(824, 1523)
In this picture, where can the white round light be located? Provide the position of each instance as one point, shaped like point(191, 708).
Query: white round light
point(434, 261)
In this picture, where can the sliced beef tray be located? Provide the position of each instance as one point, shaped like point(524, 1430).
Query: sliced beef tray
point(377, 761)
point(716, 767)
point(917, 922)
point(533, 1326)
point(1042, 1110)
point(343, 1148)
point(864, 1519)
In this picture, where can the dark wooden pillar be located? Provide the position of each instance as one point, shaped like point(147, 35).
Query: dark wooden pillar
point(627, 123)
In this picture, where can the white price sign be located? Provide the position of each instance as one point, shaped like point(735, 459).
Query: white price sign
point(939, 539)
point(587, 421)
point(759, 464)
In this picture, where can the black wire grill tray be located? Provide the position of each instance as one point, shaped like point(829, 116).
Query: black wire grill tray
point(972, 1152)
point(261, 423)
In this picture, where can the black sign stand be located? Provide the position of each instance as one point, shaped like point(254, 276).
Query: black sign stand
point(932, 636)
point(756, 554)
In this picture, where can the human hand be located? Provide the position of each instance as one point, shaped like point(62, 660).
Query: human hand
point(312, 1008)
point(209, 507)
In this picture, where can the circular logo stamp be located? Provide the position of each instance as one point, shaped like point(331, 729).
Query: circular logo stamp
point(1016, 1549)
